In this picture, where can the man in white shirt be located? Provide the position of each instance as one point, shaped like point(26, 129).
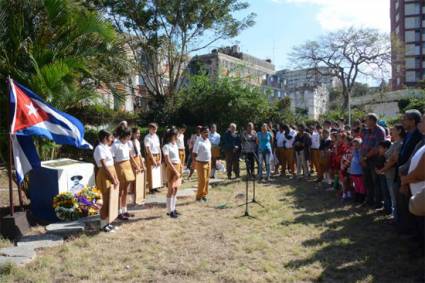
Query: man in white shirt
point(280, 150)
point(153, 153)
point(288, 140)
point(181, 146)
point(202, 154)
point(215, 139)
point(315, 148)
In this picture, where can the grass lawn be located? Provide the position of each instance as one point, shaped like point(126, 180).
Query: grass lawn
point(303, 234)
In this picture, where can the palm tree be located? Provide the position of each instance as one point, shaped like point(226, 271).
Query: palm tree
point(58, 48)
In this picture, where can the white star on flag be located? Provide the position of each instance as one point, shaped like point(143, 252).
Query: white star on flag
point(31, 109)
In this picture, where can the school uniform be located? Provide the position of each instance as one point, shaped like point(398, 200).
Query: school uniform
point(152, 142)
point(172, 151)
point(103, 181)
point(182, 150)
point(215, 140)
point(315, 152)
point(289, 155)
point(121, 154)
point(324, 151)
point(203, 159)
point(136, 152)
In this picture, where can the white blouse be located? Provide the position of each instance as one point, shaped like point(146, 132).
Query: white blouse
point(152, 142)
point(419, 186)
point(103, 152)
point(135, 148)
point(172, 150)
point(121, 151)
point(203, 150)
point(180, 141)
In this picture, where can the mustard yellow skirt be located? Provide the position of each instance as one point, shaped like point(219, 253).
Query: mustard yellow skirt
point(172, 177)
point(103, 183)
point(125, 172)
point(215, 152)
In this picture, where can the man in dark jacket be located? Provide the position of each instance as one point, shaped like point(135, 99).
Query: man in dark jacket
point(405, 220)
point(232, 146)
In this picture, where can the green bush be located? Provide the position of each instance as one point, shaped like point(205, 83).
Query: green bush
point(204, 101)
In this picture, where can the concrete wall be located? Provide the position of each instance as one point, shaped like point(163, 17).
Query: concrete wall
point(384, 104)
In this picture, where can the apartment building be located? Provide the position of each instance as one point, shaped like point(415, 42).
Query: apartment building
point(408, 54)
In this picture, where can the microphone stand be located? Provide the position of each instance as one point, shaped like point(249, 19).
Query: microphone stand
point(253, 186)
point(247, 202)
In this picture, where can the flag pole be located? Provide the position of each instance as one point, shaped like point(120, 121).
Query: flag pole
point(9, 165)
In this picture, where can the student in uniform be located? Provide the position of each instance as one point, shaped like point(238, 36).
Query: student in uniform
point(174, 164)
point(136, 152)
point(136, 149)
point(288, 141)
point(121, 126)
point(106, 175)
point(181, 146)
point(315, 152)
point(280, 151)
point(215, 140)
point(202, 154)
point(153, 153)
point(124, 164)
point(191, 163)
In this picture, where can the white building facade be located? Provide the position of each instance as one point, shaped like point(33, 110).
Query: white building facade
point(308, 89)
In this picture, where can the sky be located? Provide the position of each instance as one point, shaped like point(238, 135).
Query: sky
point(282, 24)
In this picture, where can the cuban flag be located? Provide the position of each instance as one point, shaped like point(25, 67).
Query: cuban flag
point(31, 116)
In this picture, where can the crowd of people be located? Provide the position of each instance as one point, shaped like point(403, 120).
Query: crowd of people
point(366, 162)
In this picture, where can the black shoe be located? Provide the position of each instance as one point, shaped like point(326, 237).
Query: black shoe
point(128, 215)
point(177, 213)
point(173, 214)
point(107, 229)
point(123, 217)
point(204, 199)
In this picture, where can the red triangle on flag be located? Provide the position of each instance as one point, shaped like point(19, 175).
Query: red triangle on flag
point(28, 113)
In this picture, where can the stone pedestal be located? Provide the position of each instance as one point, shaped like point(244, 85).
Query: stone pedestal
point(14, 227)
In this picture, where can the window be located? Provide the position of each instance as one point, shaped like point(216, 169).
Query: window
point(410, 76)
point(412, 9)
point(412, 49)
point(412, 36)
point(413, 63)
point(412, 22)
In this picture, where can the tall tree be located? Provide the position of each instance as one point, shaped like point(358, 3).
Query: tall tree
point(163, 33)
point(349, 54)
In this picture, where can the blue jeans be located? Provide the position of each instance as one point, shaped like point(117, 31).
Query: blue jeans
point(382, 179)
point(264, 155)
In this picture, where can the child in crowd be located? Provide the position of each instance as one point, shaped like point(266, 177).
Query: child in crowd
point(333, 162)
point(325, 147)
point(302, 144)
point(344, 175)
point(382, 180)
point(356, 171)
